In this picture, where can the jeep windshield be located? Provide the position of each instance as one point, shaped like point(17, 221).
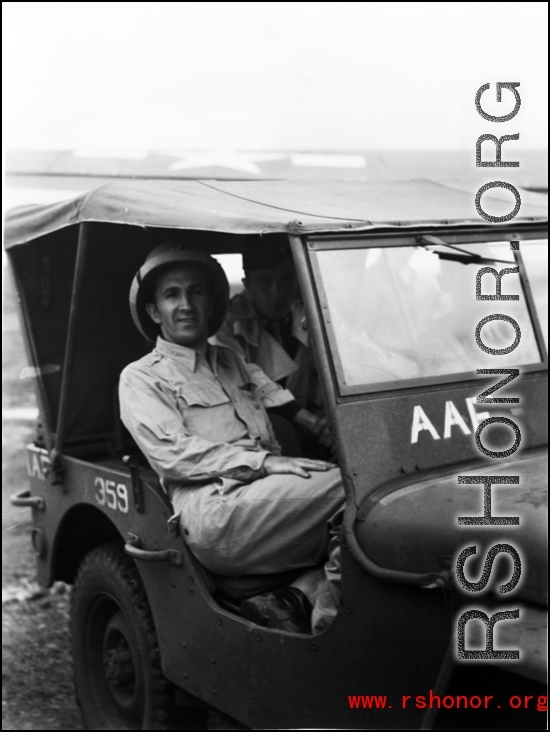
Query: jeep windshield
point(404, 313)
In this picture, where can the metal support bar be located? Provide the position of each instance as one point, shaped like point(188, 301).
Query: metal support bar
point(133, 549)
point(531, 306)
point(25, 499)
point(137, 489)
point(68, 363)
point(441, 686)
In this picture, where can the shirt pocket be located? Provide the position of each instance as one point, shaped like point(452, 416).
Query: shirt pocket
point(206, 410)
point(201, 395)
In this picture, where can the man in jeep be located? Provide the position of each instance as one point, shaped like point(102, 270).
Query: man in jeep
point(266, 324)
point(198, 412)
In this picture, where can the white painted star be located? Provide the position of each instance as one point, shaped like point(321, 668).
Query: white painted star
point(241, 161)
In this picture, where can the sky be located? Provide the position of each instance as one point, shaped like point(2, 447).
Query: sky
point(268, 76)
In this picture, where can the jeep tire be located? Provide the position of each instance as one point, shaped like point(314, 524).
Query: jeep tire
point(118, 677)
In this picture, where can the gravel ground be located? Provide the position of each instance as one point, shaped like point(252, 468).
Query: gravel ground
point(37, 685)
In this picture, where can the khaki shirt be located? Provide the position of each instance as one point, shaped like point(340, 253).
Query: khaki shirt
point(243, 331)
point(198, 420)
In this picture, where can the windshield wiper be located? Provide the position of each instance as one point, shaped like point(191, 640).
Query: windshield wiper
point(457, 254)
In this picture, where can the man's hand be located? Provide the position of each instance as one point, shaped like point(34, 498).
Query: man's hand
point(323, 434)
point(294, 466)
point(318, 426)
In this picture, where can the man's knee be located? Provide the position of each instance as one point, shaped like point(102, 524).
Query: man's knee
point(329, 483)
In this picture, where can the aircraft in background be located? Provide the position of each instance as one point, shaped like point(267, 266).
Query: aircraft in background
point(47, 176)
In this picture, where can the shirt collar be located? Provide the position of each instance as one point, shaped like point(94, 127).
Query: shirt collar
point(186, 356)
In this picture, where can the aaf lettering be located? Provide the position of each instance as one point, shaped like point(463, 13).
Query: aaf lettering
point(454, 423)
point(488, 481)
point(38, 464)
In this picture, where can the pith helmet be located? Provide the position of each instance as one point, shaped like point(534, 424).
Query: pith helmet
point(162, 258)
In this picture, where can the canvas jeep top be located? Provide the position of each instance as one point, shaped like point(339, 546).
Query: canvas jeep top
point(387, 272)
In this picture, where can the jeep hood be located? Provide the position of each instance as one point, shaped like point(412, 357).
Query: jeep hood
point(413, 526)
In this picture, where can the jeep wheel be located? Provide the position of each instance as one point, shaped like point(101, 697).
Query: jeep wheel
point(119, 682)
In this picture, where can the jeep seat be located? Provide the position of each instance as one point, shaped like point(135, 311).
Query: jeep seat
point(232, 589)
point(241, 588)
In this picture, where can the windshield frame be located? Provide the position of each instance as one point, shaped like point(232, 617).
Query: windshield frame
point(318, 243)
